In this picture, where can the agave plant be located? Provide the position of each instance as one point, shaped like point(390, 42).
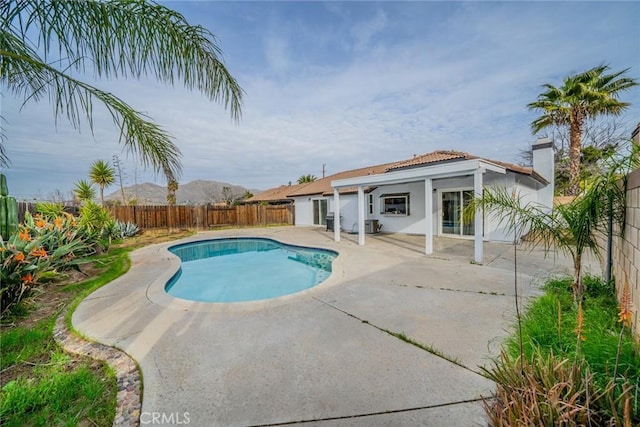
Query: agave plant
point(122, 230)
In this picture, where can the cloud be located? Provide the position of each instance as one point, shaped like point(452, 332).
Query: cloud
point(276, 53)
point(364, 31)
point(418, 77)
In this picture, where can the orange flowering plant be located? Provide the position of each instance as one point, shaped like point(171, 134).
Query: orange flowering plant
point(41, 248)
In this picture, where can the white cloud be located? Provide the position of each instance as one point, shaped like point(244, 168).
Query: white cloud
point(364, 31)
point(458, 83)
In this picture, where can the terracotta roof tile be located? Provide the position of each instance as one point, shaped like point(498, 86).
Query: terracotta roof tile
point(434, 157)
point(277, 194)
point(323, 185)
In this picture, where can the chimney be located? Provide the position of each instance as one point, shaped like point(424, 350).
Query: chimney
point(544, 165)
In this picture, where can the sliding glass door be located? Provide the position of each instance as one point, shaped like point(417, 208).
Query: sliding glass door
point(453, 222)
point(320, 212)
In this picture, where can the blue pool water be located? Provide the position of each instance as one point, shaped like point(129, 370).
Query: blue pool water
point(246, 269)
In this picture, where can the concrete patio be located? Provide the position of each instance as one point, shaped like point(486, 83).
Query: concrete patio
point(328, 355)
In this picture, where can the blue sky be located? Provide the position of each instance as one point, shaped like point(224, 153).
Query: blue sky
point(345, 84)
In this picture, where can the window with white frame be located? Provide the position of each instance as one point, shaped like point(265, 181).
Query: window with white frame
point(394, 204)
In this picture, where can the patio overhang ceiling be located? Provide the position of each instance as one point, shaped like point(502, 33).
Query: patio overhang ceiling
point(447, 170)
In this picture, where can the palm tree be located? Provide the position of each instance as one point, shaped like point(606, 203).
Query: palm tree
point(113, 38)
point(103, 175)
point(573, 227)
point(172, 187)
point(306, 178)
point(581, 97)
point(84, 191)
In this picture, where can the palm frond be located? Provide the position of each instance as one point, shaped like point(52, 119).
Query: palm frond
point(71, 97)
point(519, 218)
point(126, 38)
point(112, 38)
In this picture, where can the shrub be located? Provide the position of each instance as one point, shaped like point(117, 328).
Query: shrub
point(122, 230)
point(549, 328)
point(50, 210)
point(98, 223)
point(36, 252)
point(547, 390)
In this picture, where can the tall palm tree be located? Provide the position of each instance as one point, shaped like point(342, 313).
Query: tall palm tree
point(84, 191)
point(306, 178)
point(103, 175)
point(582, 96)
point(172, 187)
point(45, 43)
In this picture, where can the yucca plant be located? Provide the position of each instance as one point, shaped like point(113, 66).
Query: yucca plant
point(84, 191)
point(103, 175)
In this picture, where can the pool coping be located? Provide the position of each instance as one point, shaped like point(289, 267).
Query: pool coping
point(156, 293)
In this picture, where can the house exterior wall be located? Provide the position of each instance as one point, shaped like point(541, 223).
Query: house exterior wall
point(496, 229)
point(348, 211)
point(414, 223)
point(304, 209)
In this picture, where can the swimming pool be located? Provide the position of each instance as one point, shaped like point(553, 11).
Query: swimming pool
point(246, 269)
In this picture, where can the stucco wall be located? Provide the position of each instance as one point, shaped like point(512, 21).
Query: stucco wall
point(304, 209)
point(414, 223)
point(626, 249)
point(410, 224)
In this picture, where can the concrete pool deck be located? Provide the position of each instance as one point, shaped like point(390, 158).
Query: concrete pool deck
point(328, 355)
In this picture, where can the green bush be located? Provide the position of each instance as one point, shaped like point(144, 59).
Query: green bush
point(545, 390)
point(50, 210)
point(37, 251)
point(98, 223)
point(548, 331)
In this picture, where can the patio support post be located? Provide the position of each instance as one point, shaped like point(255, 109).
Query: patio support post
point(478, 223)
point(428, 216)
point(360, 215)
point(336, 215)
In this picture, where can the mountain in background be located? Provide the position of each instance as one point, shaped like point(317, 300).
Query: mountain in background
point(193, 193)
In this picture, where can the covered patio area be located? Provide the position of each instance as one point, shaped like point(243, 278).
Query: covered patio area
point(476, 168)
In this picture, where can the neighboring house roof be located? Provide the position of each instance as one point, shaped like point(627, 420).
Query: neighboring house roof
point(323, 185)
point(278, 194)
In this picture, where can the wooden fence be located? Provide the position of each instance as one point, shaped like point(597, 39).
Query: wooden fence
point(191, 217)
point(204, 217)
point(30, 207)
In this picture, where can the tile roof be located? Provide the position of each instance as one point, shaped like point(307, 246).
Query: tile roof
point(323, 185)
point(278, 194)
point(443, 156)
point(434, 157)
